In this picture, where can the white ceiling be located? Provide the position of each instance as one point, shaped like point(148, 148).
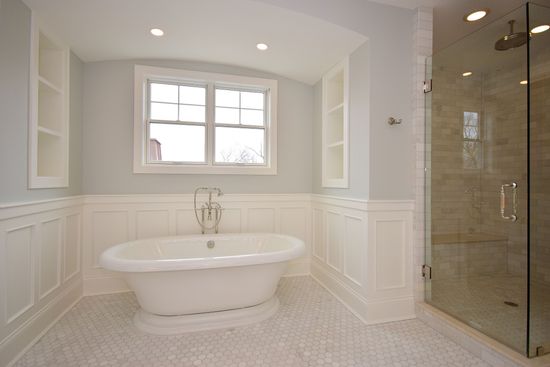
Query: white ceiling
point(410, 4)
point(448, 23)
point(218, 31)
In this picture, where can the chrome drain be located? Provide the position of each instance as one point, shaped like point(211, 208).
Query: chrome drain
point(511, 304)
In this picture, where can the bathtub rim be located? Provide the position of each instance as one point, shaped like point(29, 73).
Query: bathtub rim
point(109, 259)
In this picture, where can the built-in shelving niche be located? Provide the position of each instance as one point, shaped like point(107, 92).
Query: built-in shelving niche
point(49, 111)
point(335, 145)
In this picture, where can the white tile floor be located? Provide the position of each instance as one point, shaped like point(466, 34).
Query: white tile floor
point(479, 302)
point(311, 329)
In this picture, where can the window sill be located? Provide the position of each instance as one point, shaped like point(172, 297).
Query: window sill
point(204, 170)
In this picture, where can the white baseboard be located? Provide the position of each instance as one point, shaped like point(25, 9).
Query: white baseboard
point(104, 285)
point(297, 268)
point(18, 342)
point(370, 312)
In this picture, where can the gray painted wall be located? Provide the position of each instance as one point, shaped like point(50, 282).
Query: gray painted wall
point(389, 71)
point(15, 30)
point(108, 139)
point(381, 157)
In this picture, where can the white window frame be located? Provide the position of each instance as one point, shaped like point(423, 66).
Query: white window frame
point(144, 74)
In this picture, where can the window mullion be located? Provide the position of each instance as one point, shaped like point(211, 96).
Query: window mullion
point(178, 102)
point(240, 104)
point(210, 129)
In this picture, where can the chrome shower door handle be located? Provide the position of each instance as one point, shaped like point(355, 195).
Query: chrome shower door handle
point(512, 217)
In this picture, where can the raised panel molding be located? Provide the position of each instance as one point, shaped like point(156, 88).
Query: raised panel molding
point(335, 237)
point(49, 263)
point(293, 222)
point(39, 269)
point(390, 253)
point(390, 257)
point(318, 238)
point(152, 223)
point(358, 237)
point(363, 253)
point(108, 228)
point(261, 220)
point(19, 266)
point(231, 221)
point(354, 248)
point(72, 246)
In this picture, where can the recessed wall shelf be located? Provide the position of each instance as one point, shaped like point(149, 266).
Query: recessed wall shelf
point(335, 143)
point(49, 111)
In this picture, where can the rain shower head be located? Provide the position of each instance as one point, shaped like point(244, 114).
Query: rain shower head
point(511, 40)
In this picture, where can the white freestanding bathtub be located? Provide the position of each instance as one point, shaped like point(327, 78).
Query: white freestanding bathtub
point(201, 282)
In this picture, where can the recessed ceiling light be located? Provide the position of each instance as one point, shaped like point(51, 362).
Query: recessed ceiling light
point(262, 46)
point(467, 73)
point(476, 15)
point(540, 28)
point(523, 82)
point(157, 32)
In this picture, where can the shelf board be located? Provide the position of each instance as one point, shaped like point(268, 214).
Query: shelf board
point(336, 144)
point(336, 108)
point(45, 82)
point(47, 131)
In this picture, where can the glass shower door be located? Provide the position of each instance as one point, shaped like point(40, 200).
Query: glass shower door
point(477, 181)
point(539, 85)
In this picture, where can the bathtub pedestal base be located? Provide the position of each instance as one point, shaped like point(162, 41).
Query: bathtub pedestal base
point(170, 325)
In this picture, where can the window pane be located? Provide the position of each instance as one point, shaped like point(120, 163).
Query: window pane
point(164, 93)
point(240, 145)
point(164, 111)
point(252, 117)
point(471, 118)
point(193, 95)
point(192, 113)
point(227, 98)
point(471, 154)
point(252, 100)
point(176, 143)
point(227, 115)
point(471, 132)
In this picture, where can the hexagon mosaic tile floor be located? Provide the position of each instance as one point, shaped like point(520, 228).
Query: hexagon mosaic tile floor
point(311, 328)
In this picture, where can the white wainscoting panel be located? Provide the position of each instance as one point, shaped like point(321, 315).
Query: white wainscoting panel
point(335, 237)
point(18, 262)
point(231, 222)
point(368, 263)
point(107, 229)
point(186, 222)
point(152, 223)
point(261, 220)
point(40, 269)
point(72, 246)
point(361, 251)
point(318, 237)
point(49, 275)
point(354, 249)
point(390, 253)
point(109, 220)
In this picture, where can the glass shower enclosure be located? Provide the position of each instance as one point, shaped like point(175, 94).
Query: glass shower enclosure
point(488, 180)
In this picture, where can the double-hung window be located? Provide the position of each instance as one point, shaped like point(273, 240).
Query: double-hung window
point(472, 148)
point(194, 122)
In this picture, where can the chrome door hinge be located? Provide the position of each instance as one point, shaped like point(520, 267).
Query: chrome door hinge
point(427, 271)
point(427, 86)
